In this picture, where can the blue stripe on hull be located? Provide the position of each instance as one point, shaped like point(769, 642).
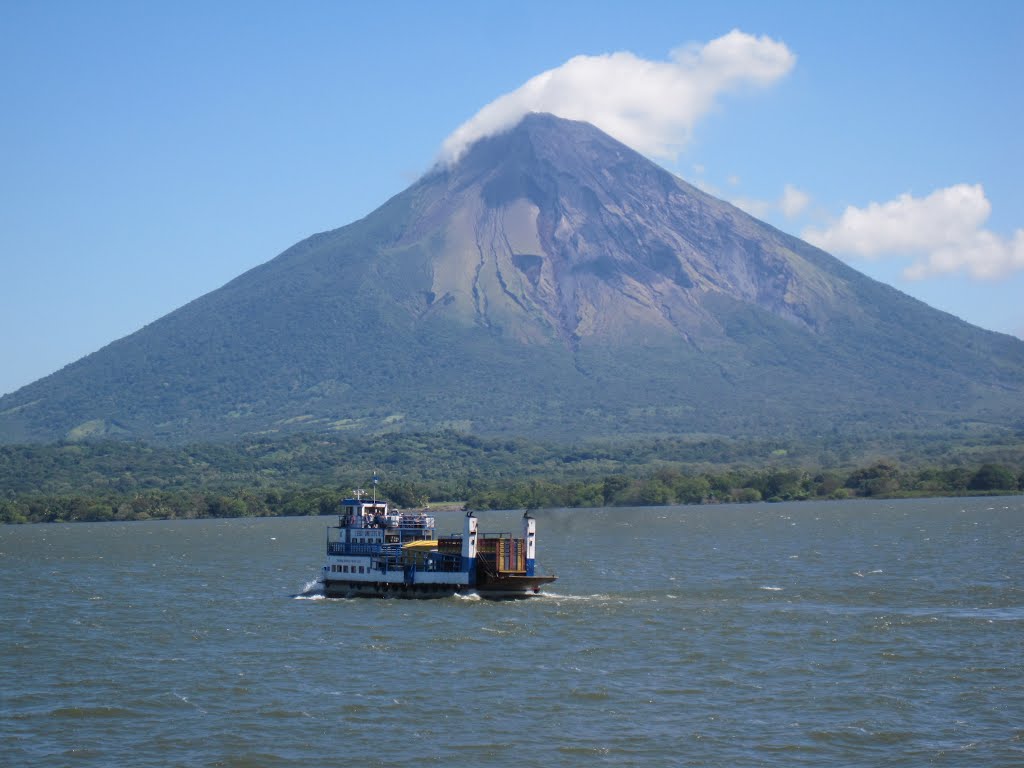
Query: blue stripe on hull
point(345, 589)
point(384, 589)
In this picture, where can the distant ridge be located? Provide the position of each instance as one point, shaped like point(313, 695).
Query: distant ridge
point(551, 283)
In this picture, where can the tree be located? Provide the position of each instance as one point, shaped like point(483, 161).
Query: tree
point(746, 495)
point(405, 494)
point(993, 477)
point(879, 479)
point(653, 491)
point(691, 490)
point(612, 487)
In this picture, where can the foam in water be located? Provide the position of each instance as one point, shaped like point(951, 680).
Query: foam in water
point(313, 590)
point(559, 596)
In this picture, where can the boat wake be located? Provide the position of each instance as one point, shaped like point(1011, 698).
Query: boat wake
point(560, 596)
point(314, 590)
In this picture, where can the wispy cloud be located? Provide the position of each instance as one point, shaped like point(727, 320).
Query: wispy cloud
point(650, 105)
point(790, 204)
point(943, 233)
point(793, 201)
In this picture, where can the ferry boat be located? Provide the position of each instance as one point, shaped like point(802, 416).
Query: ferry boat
point(377, 551)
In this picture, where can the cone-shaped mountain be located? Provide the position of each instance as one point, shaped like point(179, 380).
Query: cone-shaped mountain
point(552, 282)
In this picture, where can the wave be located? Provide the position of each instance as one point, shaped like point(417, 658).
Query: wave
point(314, 590)
point(74, 712)
point(560, 596)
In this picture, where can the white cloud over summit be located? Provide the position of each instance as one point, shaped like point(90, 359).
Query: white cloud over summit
point(650, 105)
point(653, 106)
point(942, 232)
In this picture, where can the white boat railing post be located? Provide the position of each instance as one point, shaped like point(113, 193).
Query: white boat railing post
point(469, 546)
point(530, 537)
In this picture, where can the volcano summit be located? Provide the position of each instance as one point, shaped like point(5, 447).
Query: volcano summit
point(553, 282)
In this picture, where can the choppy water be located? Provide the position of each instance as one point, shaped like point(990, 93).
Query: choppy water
point(847, 633)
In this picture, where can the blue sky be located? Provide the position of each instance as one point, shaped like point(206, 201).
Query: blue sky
point(152, 152)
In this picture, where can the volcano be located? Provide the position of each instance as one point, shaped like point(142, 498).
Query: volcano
point(552, 283)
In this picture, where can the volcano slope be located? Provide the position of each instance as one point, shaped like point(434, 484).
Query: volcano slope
point(554, 283)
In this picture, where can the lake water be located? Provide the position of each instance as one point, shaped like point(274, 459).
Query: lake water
point(820, 634)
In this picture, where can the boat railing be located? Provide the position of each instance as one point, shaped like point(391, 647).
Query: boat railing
point(348, 548)
point(434, 562)
point(390, 561)
point(421, 561)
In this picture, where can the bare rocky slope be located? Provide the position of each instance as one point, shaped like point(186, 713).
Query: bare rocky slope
point(552, 283)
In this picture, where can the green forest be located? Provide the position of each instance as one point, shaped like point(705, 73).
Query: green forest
point(310, 474)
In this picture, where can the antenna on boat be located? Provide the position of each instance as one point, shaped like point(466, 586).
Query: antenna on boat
point(375, 481)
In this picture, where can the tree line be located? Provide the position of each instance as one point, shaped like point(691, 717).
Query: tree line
point(672, 486)
point(664, 485)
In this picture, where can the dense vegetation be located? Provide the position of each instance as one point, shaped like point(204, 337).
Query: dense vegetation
point(308, 475)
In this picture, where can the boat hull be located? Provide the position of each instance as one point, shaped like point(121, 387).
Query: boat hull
point(502, 588)
point(511, 586)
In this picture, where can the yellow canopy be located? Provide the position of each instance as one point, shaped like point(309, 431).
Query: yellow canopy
point(416, 545)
